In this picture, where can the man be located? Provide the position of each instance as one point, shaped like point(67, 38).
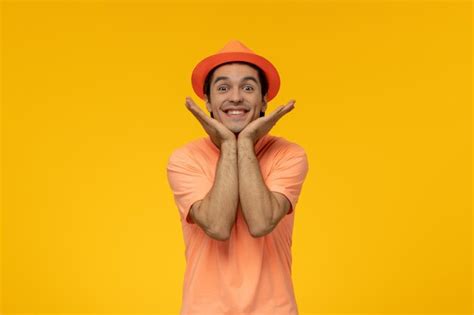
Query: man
point(236, 191)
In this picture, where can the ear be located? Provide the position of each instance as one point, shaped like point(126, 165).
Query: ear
point(264, 106)
point(208, 104)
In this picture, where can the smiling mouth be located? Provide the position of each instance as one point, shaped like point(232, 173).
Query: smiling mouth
point(236, 113)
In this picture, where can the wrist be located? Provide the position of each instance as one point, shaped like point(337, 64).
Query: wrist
point(229, 144)
point(245, 141)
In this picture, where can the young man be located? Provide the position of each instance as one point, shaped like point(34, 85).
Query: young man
point(236, 191)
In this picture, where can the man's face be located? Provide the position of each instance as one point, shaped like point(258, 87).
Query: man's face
point(236, 97)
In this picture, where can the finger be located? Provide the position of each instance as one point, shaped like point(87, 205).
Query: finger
point(196, 110)
point(191, 105)
point(287, 108)
point(284, 108)
point(205, 120)
point(280, 111)
point(290, 105)
point(204, 123)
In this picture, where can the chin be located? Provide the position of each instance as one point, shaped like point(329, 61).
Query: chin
point(235, 130)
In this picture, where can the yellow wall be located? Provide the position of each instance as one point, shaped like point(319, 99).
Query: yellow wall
point(93, 104)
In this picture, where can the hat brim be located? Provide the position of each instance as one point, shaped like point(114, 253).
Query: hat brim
point(203, 68)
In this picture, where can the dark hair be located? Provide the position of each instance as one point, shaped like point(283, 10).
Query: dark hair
point(261, 77)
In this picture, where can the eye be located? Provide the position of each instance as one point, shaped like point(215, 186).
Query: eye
point(249, 88)
point(220, 88)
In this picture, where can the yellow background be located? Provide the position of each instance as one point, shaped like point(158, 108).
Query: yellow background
point(93, 104)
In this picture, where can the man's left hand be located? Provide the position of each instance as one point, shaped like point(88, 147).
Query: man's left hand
point(261, 126)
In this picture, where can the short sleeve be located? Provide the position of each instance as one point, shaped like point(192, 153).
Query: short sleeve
point(188, 182)
point(288, 173)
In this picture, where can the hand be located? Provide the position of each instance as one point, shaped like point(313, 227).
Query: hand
point(216, 130)
point(261, 126)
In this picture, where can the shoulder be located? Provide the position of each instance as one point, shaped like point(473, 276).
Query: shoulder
point(198, 152)
point(284, 147)
point(287, 155)
point(187, 152)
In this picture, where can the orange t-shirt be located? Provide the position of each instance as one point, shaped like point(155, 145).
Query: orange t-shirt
point(243, 275)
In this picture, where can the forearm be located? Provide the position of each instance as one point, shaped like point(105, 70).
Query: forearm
point(220, 204)
point(256, 200)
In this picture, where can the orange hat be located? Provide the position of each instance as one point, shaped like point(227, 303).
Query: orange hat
point(235, 51)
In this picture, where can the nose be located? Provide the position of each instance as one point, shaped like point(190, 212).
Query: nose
point(236, 96)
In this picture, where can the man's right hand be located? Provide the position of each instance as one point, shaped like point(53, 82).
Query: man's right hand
point(216, 130)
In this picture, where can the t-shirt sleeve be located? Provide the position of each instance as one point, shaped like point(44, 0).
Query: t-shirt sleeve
point(288, 173)
point(188, 182)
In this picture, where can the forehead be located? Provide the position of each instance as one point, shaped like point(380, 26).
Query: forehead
point(235, 72)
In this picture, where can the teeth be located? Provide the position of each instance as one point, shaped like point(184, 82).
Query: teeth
point(235, 112)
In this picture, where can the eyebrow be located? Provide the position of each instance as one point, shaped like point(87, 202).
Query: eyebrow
point(243, 79)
